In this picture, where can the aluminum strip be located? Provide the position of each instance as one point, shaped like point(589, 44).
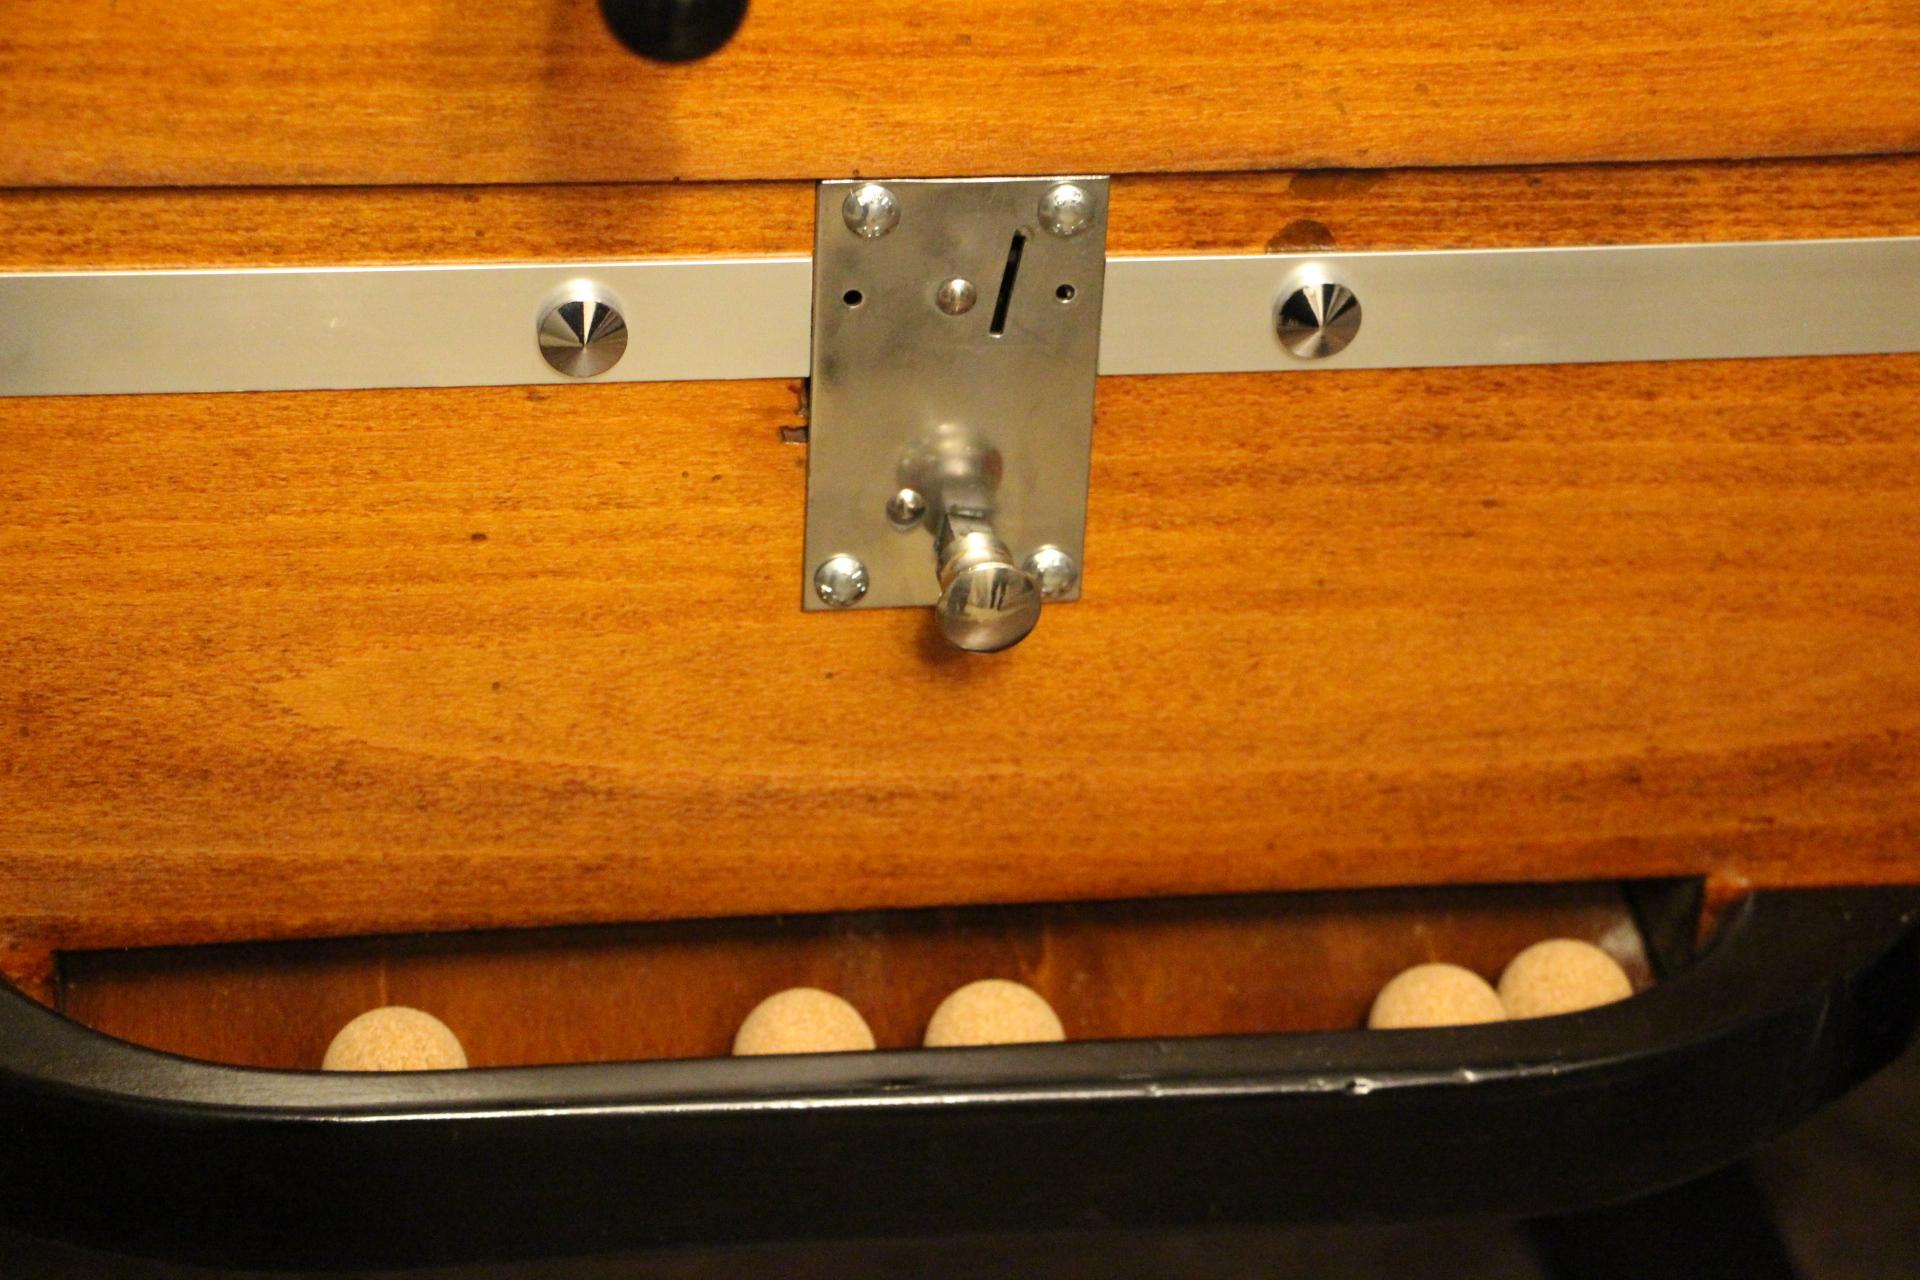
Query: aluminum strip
point(1524, 306)
point(279, 329)
point(293, 329)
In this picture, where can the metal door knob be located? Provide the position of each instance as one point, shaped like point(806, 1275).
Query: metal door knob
point(987, 601)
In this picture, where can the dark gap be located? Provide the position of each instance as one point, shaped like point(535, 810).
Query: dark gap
point(1012, 273)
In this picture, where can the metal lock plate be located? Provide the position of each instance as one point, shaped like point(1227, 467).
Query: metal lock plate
point(956, 327)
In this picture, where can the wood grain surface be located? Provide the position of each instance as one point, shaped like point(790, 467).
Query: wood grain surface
point(1205, 966)
point(418, 91)
point(292, 664)
point(1196, 213)
point(330, 663)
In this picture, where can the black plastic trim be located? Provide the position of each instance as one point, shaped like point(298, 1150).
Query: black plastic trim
point(122, 1148)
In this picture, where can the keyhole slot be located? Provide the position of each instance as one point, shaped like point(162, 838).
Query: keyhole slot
point(1007, 279)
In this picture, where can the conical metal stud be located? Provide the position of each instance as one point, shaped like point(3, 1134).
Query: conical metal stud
point(583, 335)
point(1318, 319)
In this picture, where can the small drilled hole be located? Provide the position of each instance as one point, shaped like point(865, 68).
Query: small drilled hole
point(1065, 293)
point(853, 297)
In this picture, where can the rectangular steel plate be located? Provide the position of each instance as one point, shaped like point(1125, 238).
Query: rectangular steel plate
point(889, 368)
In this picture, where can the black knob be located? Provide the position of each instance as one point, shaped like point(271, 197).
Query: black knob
point(673, 30)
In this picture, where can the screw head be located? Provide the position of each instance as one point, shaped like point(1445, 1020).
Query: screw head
point(870, 211)
point(905, 509)
point(840, 580)
point(1318, 318)
point(583, 334)
point(956, 297)
point(1066, 210)
point(1056, 572)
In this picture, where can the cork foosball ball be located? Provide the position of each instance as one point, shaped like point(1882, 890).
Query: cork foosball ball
point(1560, 975)
point(1557, 976)
point(395, 1038)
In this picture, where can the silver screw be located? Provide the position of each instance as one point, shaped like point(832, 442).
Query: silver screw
point(1055, 570)
point(582, 334)
point(1318, 318)
point(905, 509)
point(840, 581)
point(1066, 210)
point(870, 211)
point(956, 297)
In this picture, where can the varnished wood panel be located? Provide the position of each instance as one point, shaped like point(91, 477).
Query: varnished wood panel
point(1193, 213)
point(413, 91)
point(299, 664)
point(278, 665)
point(1113, 971)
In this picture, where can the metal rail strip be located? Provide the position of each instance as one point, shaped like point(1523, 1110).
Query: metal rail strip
point(288, 329)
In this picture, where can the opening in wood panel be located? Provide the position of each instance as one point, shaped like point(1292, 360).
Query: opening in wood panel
point(1170, 967)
